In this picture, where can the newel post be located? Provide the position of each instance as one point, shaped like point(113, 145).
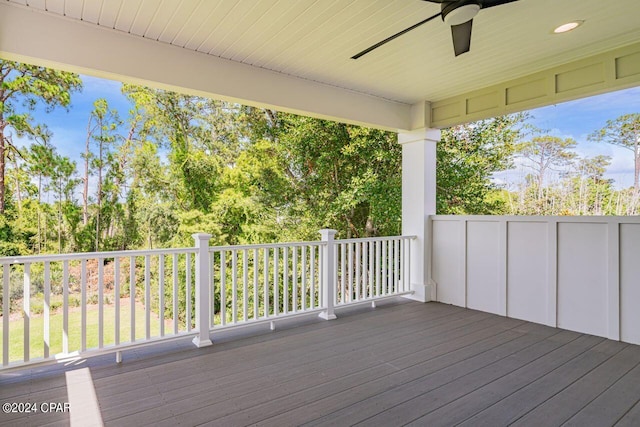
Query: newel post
point(203, 292)
point(328, 273)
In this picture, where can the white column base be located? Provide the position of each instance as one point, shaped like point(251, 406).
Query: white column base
point(201, 343)
point(421, 293)
point(326, 316)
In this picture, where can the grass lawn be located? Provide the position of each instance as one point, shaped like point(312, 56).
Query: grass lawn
point(36, 330)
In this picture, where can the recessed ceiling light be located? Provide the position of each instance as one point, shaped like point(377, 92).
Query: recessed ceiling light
point(568, 27)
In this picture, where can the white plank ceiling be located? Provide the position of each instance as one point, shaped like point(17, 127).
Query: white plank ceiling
point(314, 39)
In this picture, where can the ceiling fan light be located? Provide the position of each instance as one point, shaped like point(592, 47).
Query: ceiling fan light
point(461, 14)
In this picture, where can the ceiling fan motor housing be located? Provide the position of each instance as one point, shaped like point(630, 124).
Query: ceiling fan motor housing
point(460, 11)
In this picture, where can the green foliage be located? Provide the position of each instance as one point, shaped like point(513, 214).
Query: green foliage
point(467, 157)
point(336, 173)
point(24, 87)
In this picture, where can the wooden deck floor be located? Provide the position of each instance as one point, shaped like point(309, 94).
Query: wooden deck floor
point(401, 363)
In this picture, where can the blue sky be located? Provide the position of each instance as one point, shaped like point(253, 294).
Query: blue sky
point(70, 127)
point(577, 119)
point(573, 119)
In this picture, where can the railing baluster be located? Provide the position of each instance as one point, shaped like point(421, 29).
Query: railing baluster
point(223, 287)
point(343, 272)
point(100, 302)
point(147, 296)
point(188, 292)
point(319, 300)
point(116, 298)
point(132, 297)
point(285, 274)
point(234, 286)
point(6, 272)
point(276, 285)
point(397, 268)
point(370, 262)
point(403, 264)
point(385, 265)
point(294, 277)
point(83, 303)
point(26, 308)
point(378, 267)
point(312, 276)
point(365, 270)
point(175, 307)
point(304, 277)
point(335, 272)
point(212, 289)
point(256, 294)
point(245, 286)
point(390, 255)
point(408, 258)
point(358, 260)
point(350, 270)
point(46, 333)
point(393, 268)
point(265, 278)
point(161, 292)
point(65, 307)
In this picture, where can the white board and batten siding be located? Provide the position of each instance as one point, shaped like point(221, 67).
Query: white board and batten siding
point(576, 273)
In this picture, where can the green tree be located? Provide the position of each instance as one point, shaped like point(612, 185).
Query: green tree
point(200, 135)
point(589, 187)
point(63, 183)
point(467, 157)
point(22, 88)
point(544, 154)
point(623, 132)
point(340, 176)
point(107, 121)
point(41, 158)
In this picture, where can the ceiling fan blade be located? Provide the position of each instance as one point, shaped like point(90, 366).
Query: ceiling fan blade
point(461, 37)
point(388, 39)
point(491, 3)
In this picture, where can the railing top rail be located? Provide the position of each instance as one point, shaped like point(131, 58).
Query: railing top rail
point(376, 239)
point(23, 259)
point(265, 246)
point(91, 255)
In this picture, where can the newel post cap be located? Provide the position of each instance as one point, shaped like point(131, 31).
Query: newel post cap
point(327, 232)
point(201, 236)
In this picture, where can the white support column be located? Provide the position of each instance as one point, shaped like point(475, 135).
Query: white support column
point(328, 274)
point(203, 291)
point(418, 202)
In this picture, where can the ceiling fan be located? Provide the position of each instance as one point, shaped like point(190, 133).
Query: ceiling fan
point(456, 13)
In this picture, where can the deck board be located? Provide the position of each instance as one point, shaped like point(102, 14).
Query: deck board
point(402, 362)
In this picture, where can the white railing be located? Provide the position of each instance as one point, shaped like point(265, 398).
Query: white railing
point(76, 302)
point(372, 268)
point(109, 301)
point(260, 282)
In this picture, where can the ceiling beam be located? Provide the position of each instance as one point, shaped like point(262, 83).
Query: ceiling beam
point(48, 40)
